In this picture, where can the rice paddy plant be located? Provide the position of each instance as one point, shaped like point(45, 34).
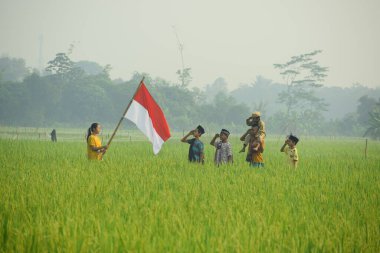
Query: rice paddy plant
point(52, 199)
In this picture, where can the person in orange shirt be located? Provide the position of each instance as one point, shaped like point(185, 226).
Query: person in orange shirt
point(256, 147)
point(254, 120)
point(95, 150)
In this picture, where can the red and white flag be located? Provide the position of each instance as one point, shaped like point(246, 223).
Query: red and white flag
point(149, 118)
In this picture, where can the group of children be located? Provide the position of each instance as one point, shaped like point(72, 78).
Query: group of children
point(254, 138)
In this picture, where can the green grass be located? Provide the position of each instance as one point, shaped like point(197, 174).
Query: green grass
point(53, 200)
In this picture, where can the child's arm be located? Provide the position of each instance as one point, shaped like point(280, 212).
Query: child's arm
point(213, 139)
point(202, 154)
point(283, 146)
point(242, 138)
point(256, 147)
point(229, 154)
point(295, 158)
point(184, 138)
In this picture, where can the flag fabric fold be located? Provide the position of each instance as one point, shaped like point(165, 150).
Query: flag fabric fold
point(149, 118)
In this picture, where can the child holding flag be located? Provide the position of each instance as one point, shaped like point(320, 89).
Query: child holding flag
point(95, 150)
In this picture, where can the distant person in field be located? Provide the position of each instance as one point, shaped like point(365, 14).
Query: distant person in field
point(95, 150)
point(256, 148)
point(53, 136)
point(290, 150)
point(223, 152)
point(196, 149)
point(254, 120)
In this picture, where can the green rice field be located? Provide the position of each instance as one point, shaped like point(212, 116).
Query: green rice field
point(52, 199)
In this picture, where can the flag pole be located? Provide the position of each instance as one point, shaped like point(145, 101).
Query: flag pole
point(125, 111)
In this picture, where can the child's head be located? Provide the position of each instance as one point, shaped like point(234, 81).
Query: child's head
point(198, 131)
point(256, 116)
point(292, 140)
point(95, 128)
point(224, 134)
point(254, 119)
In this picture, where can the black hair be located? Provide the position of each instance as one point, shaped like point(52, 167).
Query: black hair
point(225, 131)
point(91, 129)
point(293, 138)
point(200, 129)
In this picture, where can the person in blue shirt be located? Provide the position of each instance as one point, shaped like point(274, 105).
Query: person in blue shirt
point(196, 150)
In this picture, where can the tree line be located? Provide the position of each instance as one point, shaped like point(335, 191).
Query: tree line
point(72, 93)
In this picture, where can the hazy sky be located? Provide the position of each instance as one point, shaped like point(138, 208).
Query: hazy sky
point(237, 40)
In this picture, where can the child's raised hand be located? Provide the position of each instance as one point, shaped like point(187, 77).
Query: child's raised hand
point(217, 135)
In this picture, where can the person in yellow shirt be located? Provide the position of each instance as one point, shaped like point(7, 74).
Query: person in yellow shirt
point(95, 150)
point(290, 150)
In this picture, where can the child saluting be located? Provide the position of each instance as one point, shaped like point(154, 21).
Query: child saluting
point(196, 150)
point(290, 149)
point(223, 153)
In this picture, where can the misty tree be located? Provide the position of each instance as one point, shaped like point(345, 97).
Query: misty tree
point(261, 104)
point(374, 122)
point(106, 70)
point(12, 69)
point(302, 75)
point(211, 90)
point(365, 107)
point(184, 76)
point(89, 67)
point(61, 64)
point(199, 95)
point(63, 67)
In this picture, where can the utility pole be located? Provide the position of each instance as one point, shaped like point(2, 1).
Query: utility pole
point(180, 47)
point(40, 55)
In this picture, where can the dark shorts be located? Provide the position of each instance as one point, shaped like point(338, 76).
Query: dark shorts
point(257, 165)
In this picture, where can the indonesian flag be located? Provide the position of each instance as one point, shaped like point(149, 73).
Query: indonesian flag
point(149, 118)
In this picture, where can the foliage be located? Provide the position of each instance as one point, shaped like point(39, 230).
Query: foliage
point(374, 122)
point(365, 107)
point(78, 93)
point(61, 64)
point(302, 74)
point(184, 76)
point(211, 90)
point(72, 96)
point(12, 69)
